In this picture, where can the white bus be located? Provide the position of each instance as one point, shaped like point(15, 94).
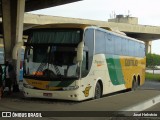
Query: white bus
point(78, 62)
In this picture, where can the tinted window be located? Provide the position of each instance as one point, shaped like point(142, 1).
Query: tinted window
point(62, 36)
point(109, 43)
point(118, 46)
point(89, 43)
point(100, 42)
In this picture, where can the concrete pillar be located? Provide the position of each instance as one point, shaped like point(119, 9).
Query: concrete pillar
point(13, 17)
point(148, 46)
point(6, 19)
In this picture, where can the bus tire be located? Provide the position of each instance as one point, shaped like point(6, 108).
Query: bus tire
point(98, 91)
point(134, 85)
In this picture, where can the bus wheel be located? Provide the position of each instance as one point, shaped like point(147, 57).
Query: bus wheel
point(134, 85)
point(98, 91)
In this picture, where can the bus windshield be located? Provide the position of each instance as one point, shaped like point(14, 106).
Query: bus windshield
point(56, 36)
point(47, 58)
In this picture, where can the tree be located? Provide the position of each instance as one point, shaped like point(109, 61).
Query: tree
point(152, 60)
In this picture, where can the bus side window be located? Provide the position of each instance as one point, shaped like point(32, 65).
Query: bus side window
point(85, 64)
point(109, 44)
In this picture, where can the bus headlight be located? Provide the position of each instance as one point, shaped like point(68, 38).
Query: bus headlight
point(27, 86)
point(71, 88)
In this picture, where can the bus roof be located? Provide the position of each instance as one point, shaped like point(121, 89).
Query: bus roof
point(109, 30)
point(63, 25)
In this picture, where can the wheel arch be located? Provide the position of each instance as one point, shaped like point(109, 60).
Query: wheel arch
point(99, 80)
point(134, 81)
point(101, 84)
point(134, 77)
point(139, 80)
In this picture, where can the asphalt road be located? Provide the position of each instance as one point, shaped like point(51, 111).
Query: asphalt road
point(151, 85)
point(154, 108)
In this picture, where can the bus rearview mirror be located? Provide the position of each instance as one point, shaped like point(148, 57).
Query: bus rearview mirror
point(80, 51)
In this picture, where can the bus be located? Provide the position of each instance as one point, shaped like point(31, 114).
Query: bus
point(78, 62)
point(2, 61)
point(1, 54)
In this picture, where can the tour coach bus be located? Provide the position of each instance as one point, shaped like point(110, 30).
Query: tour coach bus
point(78, 62)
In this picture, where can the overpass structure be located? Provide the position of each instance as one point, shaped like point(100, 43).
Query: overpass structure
point(133, 29)
point(145, 33)
point(12, 13)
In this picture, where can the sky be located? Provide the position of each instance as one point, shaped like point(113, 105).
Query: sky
point(147, 11)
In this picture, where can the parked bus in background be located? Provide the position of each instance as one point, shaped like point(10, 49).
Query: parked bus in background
point(1, 54)
point(2, 60)
point(78, 62)
point(21, 63)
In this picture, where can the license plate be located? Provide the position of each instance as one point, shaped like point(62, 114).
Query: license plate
point(47, 94)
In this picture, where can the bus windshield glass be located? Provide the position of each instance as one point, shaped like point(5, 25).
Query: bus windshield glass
point(56, 36)
point(52, 55)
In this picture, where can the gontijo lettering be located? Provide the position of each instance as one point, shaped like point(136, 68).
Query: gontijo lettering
point(131, 62)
